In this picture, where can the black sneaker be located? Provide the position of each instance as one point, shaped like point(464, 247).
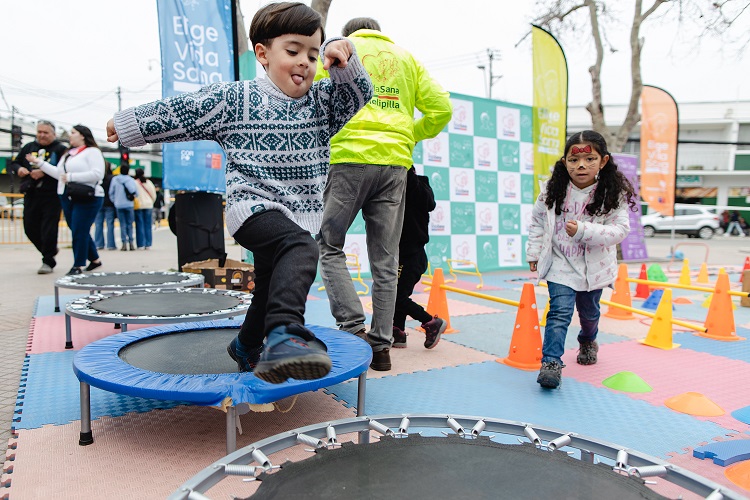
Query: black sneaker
point(550, 375)
point(432, 330)
point(587, 352)
point(246, 358)
point(399, 338)
point(381, 360)
point(74, 271)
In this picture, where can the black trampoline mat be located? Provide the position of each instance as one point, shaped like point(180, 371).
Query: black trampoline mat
point(130, 279)
point(192, 352)
point(165, 304)
point(452, 467)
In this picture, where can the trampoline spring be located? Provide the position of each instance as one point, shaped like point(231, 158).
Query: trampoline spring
point(262, 459)
point(621, 462)
point(559, 442)
point(478, 428)
point(378, 427)
point(403, 427)
point(532, 435)
point(240, 470)
point(649, 471)
point(310, 441)
point(453, 424)
point(715, 495)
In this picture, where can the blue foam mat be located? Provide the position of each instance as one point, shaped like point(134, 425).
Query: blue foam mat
point(494, 390)
point(725, 452)
point(738, 350)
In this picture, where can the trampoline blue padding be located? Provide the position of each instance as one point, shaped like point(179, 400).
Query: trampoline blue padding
point(100, 364)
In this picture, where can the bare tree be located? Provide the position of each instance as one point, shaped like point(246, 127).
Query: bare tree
point(565, 17)
point(321, 7)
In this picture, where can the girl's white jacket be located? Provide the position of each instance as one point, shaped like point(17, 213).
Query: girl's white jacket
point(601, 236)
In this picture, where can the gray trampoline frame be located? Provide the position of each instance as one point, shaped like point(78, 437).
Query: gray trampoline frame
point(189, 280)
point(323, 434)
point(81, 308)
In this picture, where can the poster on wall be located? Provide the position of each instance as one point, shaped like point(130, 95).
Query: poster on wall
point(481, 170)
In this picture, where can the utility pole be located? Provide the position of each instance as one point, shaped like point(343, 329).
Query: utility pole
point(119, 98)
point(492, 78)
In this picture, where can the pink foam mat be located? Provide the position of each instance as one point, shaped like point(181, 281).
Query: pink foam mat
point(47, 333)
point(670, 373)
point(148, 455)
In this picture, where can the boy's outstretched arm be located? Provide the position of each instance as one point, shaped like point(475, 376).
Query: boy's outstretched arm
point(337, 53)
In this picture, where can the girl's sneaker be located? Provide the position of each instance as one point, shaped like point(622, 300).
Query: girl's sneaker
point(433, 329)
point(550, 375)
point(292, 351)
point(587, 352)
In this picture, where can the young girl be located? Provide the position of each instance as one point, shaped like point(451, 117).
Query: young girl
point(576, 224)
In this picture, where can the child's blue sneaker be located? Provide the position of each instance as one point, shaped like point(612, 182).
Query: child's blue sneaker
point(292, 352)
point(246, 358)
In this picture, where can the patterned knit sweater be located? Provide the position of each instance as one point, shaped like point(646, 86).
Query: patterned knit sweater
point(277, 146)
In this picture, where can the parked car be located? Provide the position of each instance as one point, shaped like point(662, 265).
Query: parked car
point(695, 221)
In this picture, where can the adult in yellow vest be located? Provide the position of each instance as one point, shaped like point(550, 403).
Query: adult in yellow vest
point(369, 160)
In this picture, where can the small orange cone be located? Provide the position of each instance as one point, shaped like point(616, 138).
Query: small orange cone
point(660, 333)
point(621, 296)
point(525, 350)
point(641, 289)
point(437, 305)
point(746, 267)
point(720, 319)
point(703, 274)
point(685, 273)
point(694, 403)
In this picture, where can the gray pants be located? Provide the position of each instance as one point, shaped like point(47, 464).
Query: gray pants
point(378, 191)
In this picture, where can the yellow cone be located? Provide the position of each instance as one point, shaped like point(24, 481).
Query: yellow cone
point(703, 274)
point(543, 321)
point(660, 333)
point(685, 273)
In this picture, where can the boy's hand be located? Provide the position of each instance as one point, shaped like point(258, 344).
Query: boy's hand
point(571, 227)
point(111, 132)
point(532, 267)
point(337, 53)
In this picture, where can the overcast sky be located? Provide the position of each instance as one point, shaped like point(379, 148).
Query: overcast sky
point(63, 60)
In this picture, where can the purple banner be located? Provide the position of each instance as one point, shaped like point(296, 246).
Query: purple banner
point(633, 246)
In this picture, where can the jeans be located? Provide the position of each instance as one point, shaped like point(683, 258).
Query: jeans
point(410, 273)
point(732, 226)
point(286, 260)
point(41, 219)
point(379, 192)
point(126, 216)
point(143, 227)
point(561, 302)
point(105, 215)
point(80, 216)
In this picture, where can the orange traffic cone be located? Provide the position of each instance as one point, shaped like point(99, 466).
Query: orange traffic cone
point(720, 320)
point(641, 289)
point(746, 267)
point(525, 350)
point(437, 305)
point(660, 333)
point(703, 274)
point(685, 273)
point(621, 296)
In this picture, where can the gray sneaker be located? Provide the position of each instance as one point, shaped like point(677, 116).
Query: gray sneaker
point(550, 375)
point(45, 269)
point(587, 352)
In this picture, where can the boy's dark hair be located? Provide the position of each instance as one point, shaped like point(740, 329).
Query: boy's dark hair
point(284, 18)
point(360, 23)
point(124, 169)
point(611, 185)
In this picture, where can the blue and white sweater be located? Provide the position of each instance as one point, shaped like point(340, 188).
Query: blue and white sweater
point(277, 146)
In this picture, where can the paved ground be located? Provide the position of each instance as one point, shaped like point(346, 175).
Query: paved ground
point(20, 287)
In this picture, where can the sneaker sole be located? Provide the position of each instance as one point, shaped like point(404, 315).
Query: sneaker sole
point(308, 367)
point(586, 363)
point(548, 383)
point(381, 367)
point(399, 345)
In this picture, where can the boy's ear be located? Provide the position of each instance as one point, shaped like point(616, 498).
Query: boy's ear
point(261, 54)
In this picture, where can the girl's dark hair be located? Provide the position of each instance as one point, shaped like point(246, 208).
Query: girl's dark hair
point(284, 18)
point(88, 137)
point(359, 23)
point(612, 183)
point(140, 174)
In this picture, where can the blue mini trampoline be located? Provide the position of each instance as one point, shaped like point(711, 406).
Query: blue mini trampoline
point(189, 362)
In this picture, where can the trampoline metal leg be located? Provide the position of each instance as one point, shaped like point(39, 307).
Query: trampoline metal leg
point(587, 456)
point(231, 429)
point(57, 299)
point(124, 328)
point(68, 335)
point(364, 436)
point(87, 437)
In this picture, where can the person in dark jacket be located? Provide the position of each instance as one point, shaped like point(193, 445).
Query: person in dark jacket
point(41, 206)
point(412, 262)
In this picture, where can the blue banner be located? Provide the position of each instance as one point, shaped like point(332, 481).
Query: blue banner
point(197, 49)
